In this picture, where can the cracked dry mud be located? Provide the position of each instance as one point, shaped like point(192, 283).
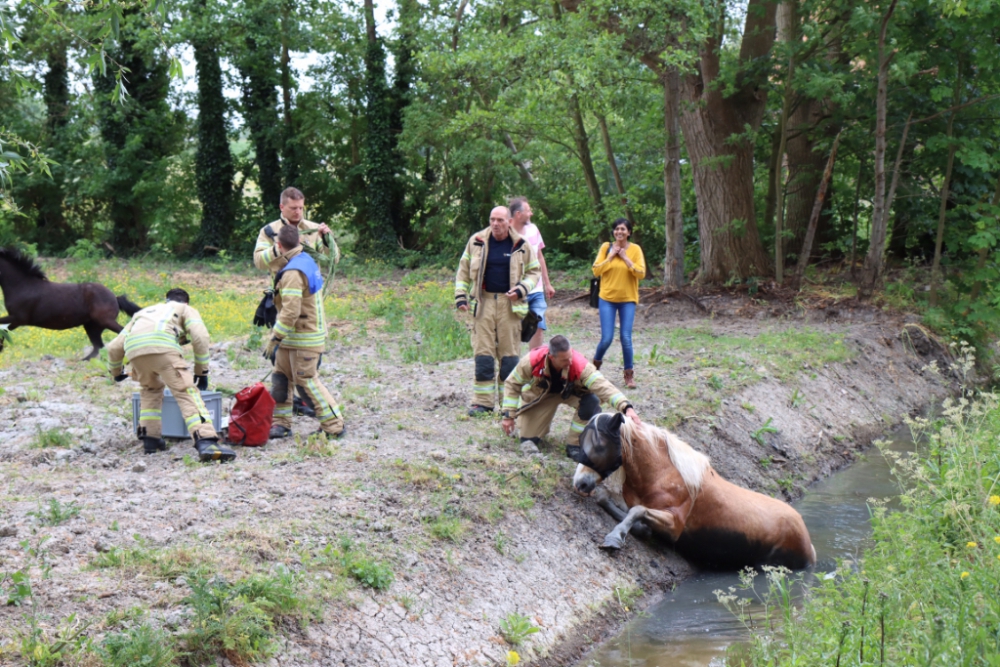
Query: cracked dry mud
point(411, 456)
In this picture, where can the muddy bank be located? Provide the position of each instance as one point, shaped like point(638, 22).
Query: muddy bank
point(471, 529)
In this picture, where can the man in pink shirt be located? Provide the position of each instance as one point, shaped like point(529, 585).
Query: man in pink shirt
point(520, 220)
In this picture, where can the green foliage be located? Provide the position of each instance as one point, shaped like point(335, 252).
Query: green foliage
point(141, 646)
point(18, 587)
point(214, 170)
point(364, 569)
point(378, 237)
point(758, 435)
point(239, 619)
point(516, 627)
point(53, 437)
point(56, 513)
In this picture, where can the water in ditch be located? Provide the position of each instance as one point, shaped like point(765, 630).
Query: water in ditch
point(690, 628)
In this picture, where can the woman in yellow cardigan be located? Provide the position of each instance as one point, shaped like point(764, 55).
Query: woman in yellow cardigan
point(620, 266)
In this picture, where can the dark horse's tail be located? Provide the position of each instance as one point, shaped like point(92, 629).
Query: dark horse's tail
point(126, 305)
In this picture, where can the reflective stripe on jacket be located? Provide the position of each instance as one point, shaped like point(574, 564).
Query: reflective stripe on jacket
point(523, 390)
point(525, 271)
point(164, 327)
point(264, 253)
point(301, 323)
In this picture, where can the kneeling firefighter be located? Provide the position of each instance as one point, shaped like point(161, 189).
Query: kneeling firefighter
point(152, 342)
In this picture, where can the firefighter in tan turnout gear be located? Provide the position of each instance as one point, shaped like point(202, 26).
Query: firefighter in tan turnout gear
point(497, 271)
point(550, 376)
point(152, 343)
point(299, 338)
point(315, 236)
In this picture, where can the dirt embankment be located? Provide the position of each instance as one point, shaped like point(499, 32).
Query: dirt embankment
point(471, 529)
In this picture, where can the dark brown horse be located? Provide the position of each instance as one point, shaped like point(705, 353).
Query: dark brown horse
point(33, 301)
point(671, 487)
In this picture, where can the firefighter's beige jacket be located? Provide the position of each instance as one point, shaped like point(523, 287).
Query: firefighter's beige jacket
point(164, 327)
point(525, 271)
point(264, 253)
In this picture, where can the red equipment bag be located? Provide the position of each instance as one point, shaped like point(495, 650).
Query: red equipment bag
point(250, 418)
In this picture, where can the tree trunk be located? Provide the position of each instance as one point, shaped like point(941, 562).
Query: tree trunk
point(807, 242)
point(779, 185)
point(214, 171)
point(857, 201)
point(673, 267)
point(582, 142)
point(289, 152)
point(49, 197)
point(945, 187)
point(378, 238)
point(772, 168)
point(715, 124)
point(610, 155)
point(260, 109)
point(723, 185)
point(805, 171)
point(875, 260)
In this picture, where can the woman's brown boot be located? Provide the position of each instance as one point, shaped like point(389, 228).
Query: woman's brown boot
point(629, 379)
point(597, 363)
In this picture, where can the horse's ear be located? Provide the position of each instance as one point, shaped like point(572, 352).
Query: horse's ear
point(616, 422)
point(575, 452)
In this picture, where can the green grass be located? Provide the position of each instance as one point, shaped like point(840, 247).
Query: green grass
point(53, 437)
point(240, 620)
point(55, 512)
point(926, 591)
point(164, 565)
point(142, 646)
point(353, 561)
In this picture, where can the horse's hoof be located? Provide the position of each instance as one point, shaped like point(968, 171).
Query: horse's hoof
point(611, 544)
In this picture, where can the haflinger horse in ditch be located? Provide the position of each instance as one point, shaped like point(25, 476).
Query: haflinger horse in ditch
point(32, 300)
point(673, 489)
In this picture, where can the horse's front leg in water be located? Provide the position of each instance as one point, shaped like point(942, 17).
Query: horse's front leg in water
point(616, 538)
point(607, 502)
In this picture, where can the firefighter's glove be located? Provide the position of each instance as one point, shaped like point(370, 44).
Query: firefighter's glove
point(201, 381)
point(272, 349)
point(120, 377)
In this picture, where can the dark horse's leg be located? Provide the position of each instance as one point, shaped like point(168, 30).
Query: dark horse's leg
point(94, 330)
point(103, 314)
point(608, 504)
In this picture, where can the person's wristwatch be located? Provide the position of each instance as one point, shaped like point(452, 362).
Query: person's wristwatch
point(506, 414)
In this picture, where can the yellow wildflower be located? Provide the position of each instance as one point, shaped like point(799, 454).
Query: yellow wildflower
point(994, 500)
point(964, 575)
point(513, 658)
point(997, 539)
point(971, 545)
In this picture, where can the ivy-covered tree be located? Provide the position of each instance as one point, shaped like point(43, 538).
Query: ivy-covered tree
point(214, 169)
point(139, 131)
point(256, 58)
point(378, 237)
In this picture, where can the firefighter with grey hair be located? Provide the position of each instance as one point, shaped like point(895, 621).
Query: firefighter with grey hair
point(495, 275)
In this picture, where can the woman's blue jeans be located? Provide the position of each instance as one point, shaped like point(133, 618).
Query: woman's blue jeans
point(626, 316)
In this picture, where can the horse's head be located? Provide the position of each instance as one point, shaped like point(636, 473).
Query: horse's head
point(599, 452)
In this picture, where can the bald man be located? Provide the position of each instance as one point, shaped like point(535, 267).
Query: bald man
point(497, 271)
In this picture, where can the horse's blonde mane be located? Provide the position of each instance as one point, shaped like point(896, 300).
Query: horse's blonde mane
point(691, 464)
